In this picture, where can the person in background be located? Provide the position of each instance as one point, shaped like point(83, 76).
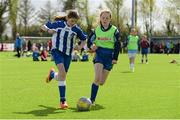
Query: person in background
point(29, 46)
point(18, 45)
point(75, 56)
point(84, 56)
point(2, 47)
point(24, 47)
point(49, 45)
point(168, 47)
point(44, 55)
point(35, 54)
point(144, 48)
point(132, 45)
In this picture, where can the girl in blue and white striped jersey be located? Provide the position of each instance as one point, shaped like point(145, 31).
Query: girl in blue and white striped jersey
point(64, 34)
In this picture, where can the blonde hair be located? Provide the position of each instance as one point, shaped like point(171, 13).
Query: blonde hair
point(133, 30)
point(106, 11)
point(144, 36)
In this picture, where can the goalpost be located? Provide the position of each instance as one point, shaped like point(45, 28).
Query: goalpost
point(35, 42)
point(36, 39)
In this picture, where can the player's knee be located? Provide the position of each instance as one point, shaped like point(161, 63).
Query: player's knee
point(101, 83)
point(62, 76)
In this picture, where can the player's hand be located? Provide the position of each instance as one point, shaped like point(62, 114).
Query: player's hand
point(42, 29)
point(114, 61)
point(93, 47)
point(50, 31)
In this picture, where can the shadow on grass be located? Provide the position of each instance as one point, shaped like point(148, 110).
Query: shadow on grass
point(126, 72)
point(93, 108)
point(97, 107)
point(42, 112)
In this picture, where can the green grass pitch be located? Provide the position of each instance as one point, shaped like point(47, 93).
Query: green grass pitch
point(152, 91)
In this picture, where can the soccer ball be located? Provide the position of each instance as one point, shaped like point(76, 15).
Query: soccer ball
point(84, 104)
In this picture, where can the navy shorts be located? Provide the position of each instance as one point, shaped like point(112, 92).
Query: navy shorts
point(104, 56)
point(60, 57)
point(144, 51)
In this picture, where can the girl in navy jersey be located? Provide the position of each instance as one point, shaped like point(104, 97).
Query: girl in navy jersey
point(64, 33)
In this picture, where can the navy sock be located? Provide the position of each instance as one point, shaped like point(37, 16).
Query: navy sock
point(52, 74)
point(62, 91)
point(94, 90)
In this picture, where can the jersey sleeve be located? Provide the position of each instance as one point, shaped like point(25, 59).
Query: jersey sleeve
point(117, 45)
point(48, 25)
point(91, 39)
point(53, 25)
point(81, 35)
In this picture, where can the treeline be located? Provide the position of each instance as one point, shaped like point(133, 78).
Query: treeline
point(22, 16)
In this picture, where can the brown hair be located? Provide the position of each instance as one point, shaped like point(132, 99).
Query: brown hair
point(73, 14)
point(57, 18)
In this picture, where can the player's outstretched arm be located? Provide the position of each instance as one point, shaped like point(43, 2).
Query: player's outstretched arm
point(45, 29)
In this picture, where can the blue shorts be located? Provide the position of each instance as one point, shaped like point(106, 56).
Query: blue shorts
point(144, 51)
point(105, 57)
point(132, 53)
point(60, 57)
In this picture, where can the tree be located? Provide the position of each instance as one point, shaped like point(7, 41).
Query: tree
point(170, 30)
point(119, 17)
point(175, 3)
point(172, 19)
point(136, 12)
point(47, 13)
point(115, 6)
point(26, 13)
point(13, 11)
point(3, 19)
point(147, 8)
point(69, 4)
point(85, 14)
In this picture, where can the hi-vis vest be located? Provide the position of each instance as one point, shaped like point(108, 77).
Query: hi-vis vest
point(133, 42)
point(105, 39)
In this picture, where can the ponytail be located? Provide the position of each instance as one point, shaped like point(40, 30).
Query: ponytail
point(57, 18)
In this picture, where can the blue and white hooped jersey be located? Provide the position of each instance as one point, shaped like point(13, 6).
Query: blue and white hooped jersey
point(65, 36)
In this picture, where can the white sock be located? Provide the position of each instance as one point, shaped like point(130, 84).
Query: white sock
point(62, 82)
point(131, 65)
point(56, 76)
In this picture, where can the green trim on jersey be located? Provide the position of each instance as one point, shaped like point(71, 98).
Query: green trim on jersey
point(132, 42)
point(105, 39)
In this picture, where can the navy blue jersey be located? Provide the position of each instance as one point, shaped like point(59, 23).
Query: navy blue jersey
point(65, 36)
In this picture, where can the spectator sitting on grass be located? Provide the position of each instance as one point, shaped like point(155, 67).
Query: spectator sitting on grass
point(75, 56)
point(44, 55)
point(85, 56)
point(36, 54)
